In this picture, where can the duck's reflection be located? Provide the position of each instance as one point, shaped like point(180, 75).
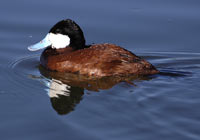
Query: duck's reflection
point(64, 97)
point(66, 89)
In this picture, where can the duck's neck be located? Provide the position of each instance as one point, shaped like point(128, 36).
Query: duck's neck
point(76, 45)
point(77, 41)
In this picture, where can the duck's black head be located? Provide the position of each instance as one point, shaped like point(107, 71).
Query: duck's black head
point(69, 28)
point(63, 34)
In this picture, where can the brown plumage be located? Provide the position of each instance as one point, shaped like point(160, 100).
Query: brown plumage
point(97, 60)
point(67, 52)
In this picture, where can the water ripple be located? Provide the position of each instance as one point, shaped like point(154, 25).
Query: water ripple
point(166, 104)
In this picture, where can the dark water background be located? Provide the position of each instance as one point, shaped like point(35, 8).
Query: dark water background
point(166, 107)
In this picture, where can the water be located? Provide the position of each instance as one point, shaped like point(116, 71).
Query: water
point(164, 106)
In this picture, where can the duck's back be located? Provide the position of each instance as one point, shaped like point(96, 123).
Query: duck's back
point(97, 60)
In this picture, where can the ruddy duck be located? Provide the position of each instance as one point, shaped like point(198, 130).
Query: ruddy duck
point(66, 52)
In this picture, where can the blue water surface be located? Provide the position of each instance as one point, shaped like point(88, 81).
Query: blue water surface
point(164, 107)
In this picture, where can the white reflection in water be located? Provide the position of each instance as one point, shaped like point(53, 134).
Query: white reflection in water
point(57, 88)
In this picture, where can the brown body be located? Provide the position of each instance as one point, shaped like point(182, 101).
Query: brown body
point(98, 60)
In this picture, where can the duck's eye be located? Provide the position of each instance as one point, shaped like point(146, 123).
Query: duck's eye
point(57, 30)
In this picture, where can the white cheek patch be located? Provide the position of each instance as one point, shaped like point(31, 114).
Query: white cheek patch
point(58, 40)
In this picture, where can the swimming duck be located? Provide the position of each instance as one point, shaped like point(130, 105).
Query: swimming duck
point(66, 52)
